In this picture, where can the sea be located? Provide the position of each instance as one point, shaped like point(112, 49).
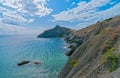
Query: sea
point(50, 52)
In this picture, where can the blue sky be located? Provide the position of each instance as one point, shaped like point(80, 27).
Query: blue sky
point(20, 17)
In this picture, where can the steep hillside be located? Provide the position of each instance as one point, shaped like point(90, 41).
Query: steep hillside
point(94, 51)
point(58, 31)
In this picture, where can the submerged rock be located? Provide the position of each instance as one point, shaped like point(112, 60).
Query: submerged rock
point(22, 63)
point(37, 62)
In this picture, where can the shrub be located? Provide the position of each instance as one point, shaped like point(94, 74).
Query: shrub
point(102, 32)
point(108, 19)
point(110, 58)
point(106, 55)
point(74, 62)
point(113, 63)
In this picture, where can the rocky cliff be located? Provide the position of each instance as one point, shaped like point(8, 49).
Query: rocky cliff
point(94, 52)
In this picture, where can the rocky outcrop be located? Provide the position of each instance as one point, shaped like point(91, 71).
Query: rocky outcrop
point(94, 51)
point(23, 63)
point(76, 38)
point(58, 31)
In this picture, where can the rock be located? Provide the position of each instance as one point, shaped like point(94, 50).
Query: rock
point(22, 63)
point(37, 62)
point(68, 53)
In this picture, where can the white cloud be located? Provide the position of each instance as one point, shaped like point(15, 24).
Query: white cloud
point(82, 8)
point(73, 3)
point(14, 17)
point(99, 16)
point(87, 13)
point(31, 20)
point(15, 13)
point(17, 10)
point(19, 30)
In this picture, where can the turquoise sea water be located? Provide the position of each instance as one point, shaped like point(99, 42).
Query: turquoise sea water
point(14, 49)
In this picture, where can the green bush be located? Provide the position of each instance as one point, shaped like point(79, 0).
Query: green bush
point(74, 62)
point(107, 54)
point(113, 63)
point(110, 58)
point(102, 32)
point(108, 19)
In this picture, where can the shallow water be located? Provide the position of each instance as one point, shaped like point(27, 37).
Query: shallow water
point(14, 49)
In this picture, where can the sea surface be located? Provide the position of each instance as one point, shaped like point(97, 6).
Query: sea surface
point(14, 49)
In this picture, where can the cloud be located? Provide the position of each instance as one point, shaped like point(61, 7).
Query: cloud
point(31, 20)
point(87, 13)
point(20, 10)
point(14, 14)
point(73, 3)
point(11, 29)
point(101, 15)
point(19, 30)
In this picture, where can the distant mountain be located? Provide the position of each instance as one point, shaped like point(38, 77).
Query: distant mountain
point(58, 31)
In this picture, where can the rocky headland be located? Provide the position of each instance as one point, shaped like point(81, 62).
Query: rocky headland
point(58, 31)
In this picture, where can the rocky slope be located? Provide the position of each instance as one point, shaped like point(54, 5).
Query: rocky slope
point(94, 52)
point(58, 31)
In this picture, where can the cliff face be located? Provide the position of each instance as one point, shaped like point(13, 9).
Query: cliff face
point(94, 51)
point(55, 32)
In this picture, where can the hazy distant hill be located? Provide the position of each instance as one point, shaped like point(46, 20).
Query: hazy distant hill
point(58, 31)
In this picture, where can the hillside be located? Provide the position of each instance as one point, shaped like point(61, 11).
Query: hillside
point(58, 31)
point(94, 51)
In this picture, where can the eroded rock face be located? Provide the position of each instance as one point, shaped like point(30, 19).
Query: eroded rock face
point(94, 51)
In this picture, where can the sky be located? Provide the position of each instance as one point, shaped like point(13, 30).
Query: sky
point(32, 17)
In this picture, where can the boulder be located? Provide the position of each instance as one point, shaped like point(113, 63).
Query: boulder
point(22, 63)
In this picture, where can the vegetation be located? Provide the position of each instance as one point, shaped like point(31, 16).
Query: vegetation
point(113, 62)
point(56, 32)
point(107, 54)
point(107, 29)
point(102, 32)
point(111, 59)
point(108, 19)
point(74, 63)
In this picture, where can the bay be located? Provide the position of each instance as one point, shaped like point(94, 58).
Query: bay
point(13, 49)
